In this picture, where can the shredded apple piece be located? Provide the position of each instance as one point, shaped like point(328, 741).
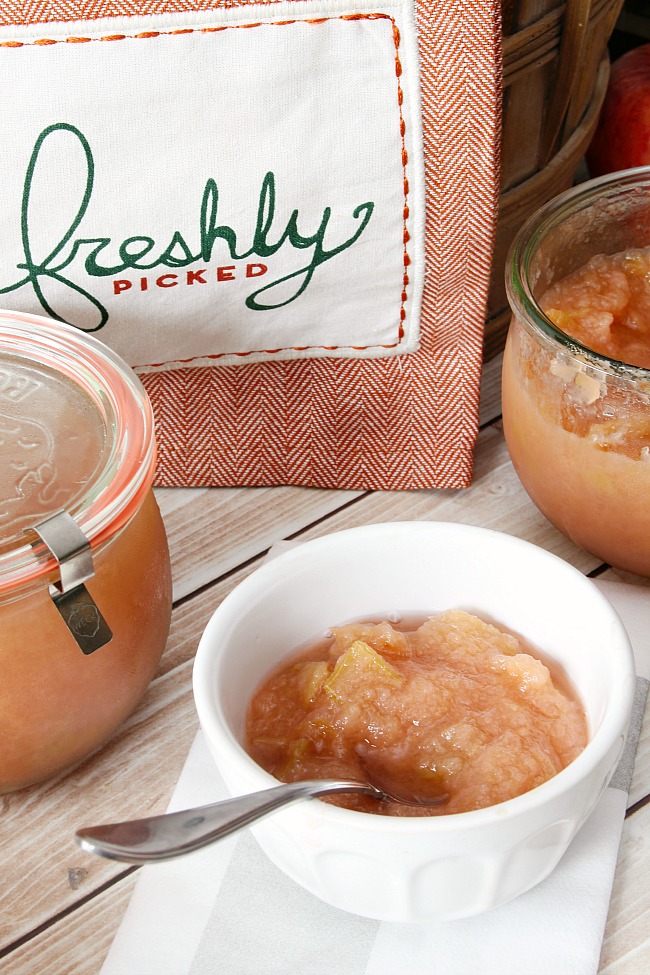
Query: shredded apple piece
point(605, 305)
point(358, 670)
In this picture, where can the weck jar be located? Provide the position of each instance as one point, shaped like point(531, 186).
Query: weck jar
point(577, 420)
point(85, 581)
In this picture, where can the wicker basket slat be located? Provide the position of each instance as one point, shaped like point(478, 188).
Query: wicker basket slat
point(574, 48)
point(555, 73)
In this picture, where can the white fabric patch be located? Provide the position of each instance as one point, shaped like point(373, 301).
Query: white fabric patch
point(219, 195)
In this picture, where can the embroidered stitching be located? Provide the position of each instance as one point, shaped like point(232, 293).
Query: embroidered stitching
point(146, 35)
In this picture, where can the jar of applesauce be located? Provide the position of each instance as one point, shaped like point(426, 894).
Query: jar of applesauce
point(85, 583)
point(576, 371)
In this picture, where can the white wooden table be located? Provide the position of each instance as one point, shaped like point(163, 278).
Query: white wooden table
point(60, 907)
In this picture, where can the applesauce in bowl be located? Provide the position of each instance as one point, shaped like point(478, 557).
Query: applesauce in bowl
point(85, 581)
point(576, 370)
point(454, 708)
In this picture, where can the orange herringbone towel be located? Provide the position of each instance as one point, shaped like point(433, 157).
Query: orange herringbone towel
point(377, 387)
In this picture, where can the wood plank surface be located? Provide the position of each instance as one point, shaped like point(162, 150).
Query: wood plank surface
point(79, 947)
point(210, 531)
point(626, 945)
point(61, 907)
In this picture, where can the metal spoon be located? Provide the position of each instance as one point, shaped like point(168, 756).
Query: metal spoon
point(171, 835)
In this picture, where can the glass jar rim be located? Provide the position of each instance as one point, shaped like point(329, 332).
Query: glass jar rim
point(518, 288)
point(117, 489)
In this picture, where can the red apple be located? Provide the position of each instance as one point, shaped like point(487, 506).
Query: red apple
point(622, 136)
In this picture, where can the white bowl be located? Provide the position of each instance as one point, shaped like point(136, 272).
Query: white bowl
point(424, 868)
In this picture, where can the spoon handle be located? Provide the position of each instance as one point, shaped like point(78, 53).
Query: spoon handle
point(170, 835)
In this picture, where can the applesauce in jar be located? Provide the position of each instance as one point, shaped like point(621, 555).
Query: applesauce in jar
point(454, 708)
point(85, 583)
point(576, 371)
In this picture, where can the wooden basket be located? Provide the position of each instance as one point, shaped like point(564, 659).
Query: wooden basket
point(555, 73)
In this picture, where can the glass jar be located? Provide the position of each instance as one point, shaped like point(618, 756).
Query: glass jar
point(576, 422)
point(85, 581)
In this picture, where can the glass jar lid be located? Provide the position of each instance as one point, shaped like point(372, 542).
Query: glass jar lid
point(76, 434)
